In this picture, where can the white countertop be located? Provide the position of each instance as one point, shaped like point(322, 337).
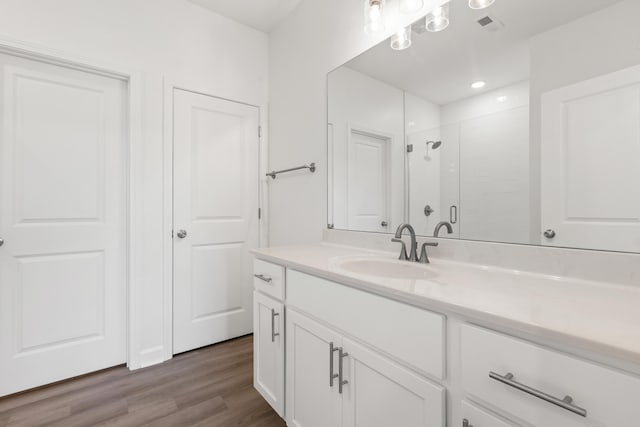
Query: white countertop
point(595, 316)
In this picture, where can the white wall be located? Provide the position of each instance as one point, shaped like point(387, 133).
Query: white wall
point(363, 103)
point(423, 124)
point(494, 164)
point(316, 38)
point(597, 44)
point(158, 38)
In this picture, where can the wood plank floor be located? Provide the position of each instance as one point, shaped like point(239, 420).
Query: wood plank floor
point(212, 386)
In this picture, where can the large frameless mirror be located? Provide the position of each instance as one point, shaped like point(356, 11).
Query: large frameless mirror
point(518, 122)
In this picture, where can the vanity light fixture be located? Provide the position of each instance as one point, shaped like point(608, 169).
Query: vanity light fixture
point(438, 19)
point(480, 4)
point(479, 84)
point(401, 40)
point(410, 6)
point(374, 16)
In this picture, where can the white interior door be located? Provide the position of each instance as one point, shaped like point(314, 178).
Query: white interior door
point(591, 163)
point(368, 182)
point(215, 208)
point(63, 222)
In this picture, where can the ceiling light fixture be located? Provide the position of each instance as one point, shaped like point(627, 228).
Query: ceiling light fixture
point(438, 19)
point(480, 4)
point(479, 84)
point(401, 40)
point(374, 16)
point(410, 6)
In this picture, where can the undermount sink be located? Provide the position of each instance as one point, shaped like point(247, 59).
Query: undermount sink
point(385, 267)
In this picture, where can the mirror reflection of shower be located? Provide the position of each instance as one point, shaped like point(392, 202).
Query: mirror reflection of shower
point(434, 146)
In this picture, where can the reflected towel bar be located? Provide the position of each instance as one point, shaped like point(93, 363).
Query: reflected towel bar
point(311, 167)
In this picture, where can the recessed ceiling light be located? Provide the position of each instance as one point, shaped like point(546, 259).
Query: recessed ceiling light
point(478, 85)
point(501, 98)
point(480, 4)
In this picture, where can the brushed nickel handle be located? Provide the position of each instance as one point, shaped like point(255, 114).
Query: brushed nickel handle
point(564, 403)
point(549, 234)
point(263, 277)
point(182, 234)
point(332, 376)
point(341, 382)
point(274, 334)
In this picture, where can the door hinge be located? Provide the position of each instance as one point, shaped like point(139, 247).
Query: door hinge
point(409, 148)
point(259, 213)
point(259, 131)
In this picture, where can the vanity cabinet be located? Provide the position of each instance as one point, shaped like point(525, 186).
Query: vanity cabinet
point(268, 334)
point(544, 387)
point(474, 416)
point(334, 381)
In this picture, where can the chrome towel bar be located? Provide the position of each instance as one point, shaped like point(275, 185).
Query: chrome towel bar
point(311, 167)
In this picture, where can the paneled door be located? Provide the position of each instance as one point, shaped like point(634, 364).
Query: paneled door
point(62, 223)
point(591, 163)
point(368, 182)
point(215, 214)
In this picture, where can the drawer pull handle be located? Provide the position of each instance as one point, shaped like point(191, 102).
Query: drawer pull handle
point(332, 376)
point(274, 334)
point(341, 381)
point(263, 277)
point(566, 403)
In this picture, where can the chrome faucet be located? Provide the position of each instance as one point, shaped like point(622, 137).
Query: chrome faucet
point(413, 255)
point(439, 227)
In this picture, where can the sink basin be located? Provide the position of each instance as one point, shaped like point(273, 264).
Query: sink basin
point(385, 267)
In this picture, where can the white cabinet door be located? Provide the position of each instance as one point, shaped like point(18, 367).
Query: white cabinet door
point(268, 349)
point(591, 163)
point(312, 398)
point(380, 393)
point(63, 220)
point(216, 204)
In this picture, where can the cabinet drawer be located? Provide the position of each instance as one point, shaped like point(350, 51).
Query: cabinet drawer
point(609, 397)
point(407, 333)
point(476, 417)
point(269, 278)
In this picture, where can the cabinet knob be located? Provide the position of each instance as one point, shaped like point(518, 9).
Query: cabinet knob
point(182, 234)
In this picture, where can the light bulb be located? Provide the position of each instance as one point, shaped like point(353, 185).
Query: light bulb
point(410, 6)
point(480, 4)
point(374, 16)
point(438, 19)
point(374, 12)
point(401, 39)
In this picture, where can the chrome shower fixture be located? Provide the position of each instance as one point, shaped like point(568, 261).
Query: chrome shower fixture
point(434, 144)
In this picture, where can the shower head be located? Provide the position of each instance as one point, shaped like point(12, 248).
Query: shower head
point(436, 144)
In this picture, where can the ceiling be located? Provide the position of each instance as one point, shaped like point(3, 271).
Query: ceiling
point(263, 15)
point(440, 67)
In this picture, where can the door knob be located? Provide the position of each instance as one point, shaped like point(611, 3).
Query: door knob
point(1, 242)
point(428, 210)
point(550, 234)
point(182, 234)
point(384, 224)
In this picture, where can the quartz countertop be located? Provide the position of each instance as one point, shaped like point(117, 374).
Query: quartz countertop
point(595, 316)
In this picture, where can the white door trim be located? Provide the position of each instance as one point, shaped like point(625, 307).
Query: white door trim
point(134, 100)
point(171, 84)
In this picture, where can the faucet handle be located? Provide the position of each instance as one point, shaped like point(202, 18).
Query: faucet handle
point(403, 251)
point(424, 257)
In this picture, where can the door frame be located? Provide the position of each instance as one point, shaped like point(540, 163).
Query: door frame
point(170, 85)
point(132, 157)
